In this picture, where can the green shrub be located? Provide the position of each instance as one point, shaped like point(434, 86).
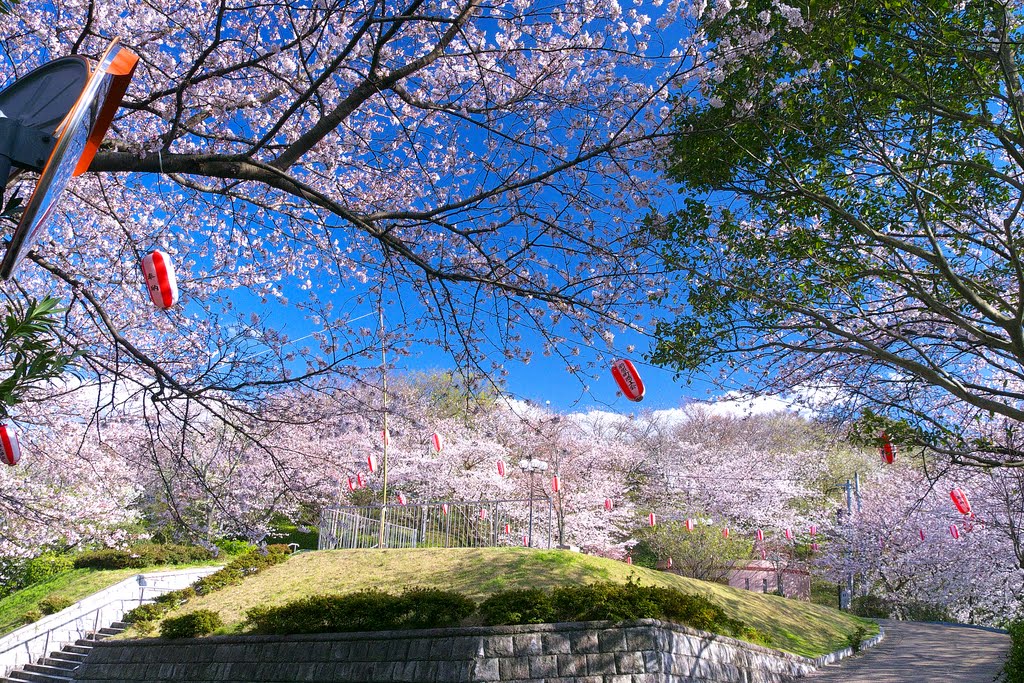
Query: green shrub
point(926, 611)
point(31, 616)
point(175, 598)
point(109, 559)
point(521, 606)
point(856, 638)
point(244, 565)
point(871, 607)
point(433, 608)
point(199, 623)
point(54, 603)
point(368, 610)
point(1013, 670)
point(46, 566)
point(613, 602)
point(140, 556)
point(606, 602)
point(144, 613)
point(233, 547)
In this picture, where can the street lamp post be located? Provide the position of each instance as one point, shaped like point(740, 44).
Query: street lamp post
point(533, 466)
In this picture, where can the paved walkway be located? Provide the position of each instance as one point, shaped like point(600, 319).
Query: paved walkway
point(913, 652)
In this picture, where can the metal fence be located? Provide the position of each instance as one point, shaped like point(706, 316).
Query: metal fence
point(440, 524)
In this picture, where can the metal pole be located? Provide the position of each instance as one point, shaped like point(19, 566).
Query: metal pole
point(385, 439)
point(529, 542)
point(856, 488)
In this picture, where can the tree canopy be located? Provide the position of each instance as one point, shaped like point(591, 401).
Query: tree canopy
point(852, 224)
point(468, 167)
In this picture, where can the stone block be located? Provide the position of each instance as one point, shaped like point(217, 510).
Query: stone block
point(377, 650)
point(583, 642)
point(398, 650)
point(629, 663)
point(426, 672)
point(654, 661)
point(527, 644)
point(543, 666)
point(486, 669)
point(357, 651)
point(611, 640)
point(440, 649)
point(514, 668)
point(556, 644)
point(618, 679)
point(601, 664)
point(449, 672)
point(571, 665)
point(640, 638)
point(465, 647)
point(419, 648)
point(498, 646)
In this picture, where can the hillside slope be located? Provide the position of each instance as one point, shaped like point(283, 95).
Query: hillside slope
point(792, 625)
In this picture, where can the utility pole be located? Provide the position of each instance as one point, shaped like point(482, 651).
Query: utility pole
point(852, 490)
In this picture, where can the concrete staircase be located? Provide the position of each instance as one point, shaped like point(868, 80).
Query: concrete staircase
point(59, 667)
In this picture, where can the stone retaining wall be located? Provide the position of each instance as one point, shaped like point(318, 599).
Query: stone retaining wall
point(593, 652)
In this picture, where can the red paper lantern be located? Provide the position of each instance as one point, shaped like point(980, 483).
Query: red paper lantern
point(788, 534)
point(385, 437)
point(444, 508)
point(629, 559)
point(652, 519)
point(954, 531)
point(960, 501)
point(12, 449)
point(401, 498)
point(725, 532)
point(483, 513)
point(508, 529)
point(501, 468)
point(526, 541)
point(158, 273)
point(351, 485)
point(759, 534)
point(921, 534)
point(813, 531)
point(371, 461)
point(668, 565)
point(437, 442)
point(887, 450)
point(608, 504)
point(628, 379)
point(556, 484)
point(814, 547)
point(360, 480)
point(689, 525)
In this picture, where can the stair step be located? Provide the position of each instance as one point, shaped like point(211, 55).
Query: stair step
point(22, 676)
point(120, 624)
point(107, 631)
point(62, 663)
point(74, 657)
point(47, 670)
point(79, 648)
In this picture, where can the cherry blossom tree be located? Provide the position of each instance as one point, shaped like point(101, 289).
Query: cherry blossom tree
point(458, 164)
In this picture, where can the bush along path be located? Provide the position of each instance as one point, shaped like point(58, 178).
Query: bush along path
point(203, 622)
point(916, 652)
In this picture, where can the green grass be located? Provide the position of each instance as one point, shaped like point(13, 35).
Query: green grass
point(74, 584)
point(795, 626)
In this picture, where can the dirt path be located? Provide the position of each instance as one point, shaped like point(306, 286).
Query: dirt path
point(914, 652)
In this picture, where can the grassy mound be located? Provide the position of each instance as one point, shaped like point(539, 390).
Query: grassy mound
point(791, 625)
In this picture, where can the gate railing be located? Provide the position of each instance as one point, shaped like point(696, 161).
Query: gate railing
point(438, 524)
